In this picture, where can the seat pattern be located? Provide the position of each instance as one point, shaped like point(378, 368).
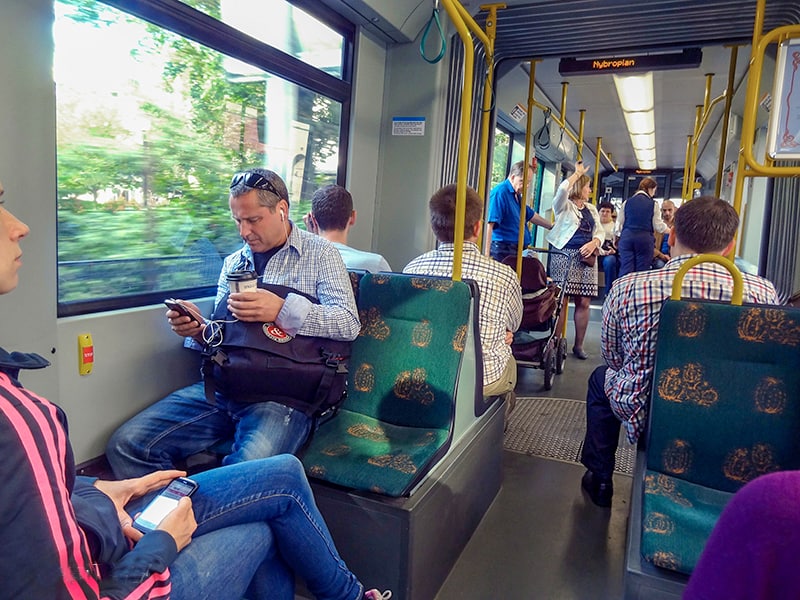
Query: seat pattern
point(398, 417)
point(724, 410)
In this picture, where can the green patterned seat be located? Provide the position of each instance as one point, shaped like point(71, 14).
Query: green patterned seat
point(397, 420)
point(724, 410)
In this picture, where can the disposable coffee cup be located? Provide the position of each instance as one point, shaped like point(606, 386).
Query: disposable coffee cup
point(242, 281)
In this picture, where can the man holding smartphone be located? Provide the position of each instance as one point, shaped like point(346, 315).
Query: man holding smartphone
point(67, 537)
point(186, 422)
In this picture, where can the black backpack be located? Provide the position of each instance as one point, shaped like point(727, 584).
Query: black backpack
point(259, 362)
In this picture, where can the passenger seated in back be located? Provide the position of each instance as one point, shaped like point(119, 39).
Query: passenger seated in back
point(332, 215)
point(187, 422)
point(620, 391)
point(248, 530)
point(500, 308)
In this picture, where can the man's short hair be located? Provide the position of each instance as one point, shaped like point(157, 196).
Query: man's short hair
point(332, 207)
point(706, 224)
point(443, 212)
point(266, 197)
point(605, 204)
point(517, 169)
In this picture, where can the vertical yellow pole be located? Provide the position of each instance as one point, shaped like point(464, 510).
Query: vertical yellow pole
point(726, 116)
point(463, 141)
point(525, 182)
point(597, 168)
point(684, 190)
point(491, 33)
point(698, 117)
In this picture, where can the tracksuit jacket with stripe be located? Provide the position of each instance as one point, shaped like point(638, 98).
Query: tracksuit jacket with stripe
point(60, 536)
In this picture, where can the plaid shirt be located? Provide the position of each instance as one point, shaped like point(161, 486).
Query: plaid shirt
point(311, 265)
point(500, 304)
point(630, 321)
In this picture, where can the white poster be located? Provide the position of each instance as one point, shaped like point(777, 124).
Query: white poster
point(408, 125)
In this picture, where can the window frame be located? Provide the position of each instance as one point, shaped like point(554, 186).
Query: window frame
point(201, 28)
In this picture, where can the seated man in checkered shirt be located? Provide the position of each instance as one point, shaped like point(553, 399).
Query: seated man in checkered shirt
point(620, 392)
point(500, 308)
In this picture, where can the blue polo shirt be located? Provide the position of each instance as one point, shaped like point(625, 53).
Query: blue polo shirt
point(504, 213)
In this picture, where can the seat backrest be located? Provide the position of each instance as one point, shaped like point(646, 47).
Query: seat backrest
point(724, 410)
point(406, 360)
point(724, 404)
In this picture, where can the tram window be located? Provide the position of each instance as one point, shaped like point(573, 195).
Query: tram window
point(500, 157)
point(517, 150)
point(149, 130)
point(283, 26)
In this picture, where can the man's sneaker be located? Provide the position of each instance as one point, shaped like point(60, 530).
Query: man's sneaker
point(599, 491)
point(376, 595)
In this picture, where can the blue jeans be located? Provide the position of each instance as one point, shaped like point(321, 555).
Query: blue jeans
point(185, 423)
point(258, 527)
point(500, 250)
point(610, 265)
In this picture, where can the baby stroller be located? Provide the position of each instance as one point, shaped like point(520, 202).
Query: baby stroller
point(537, 344)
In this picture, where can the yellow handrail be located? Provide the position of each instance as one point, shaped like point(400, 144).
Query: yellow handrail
point(738, 282)
point(452, 8)
point(747, 165)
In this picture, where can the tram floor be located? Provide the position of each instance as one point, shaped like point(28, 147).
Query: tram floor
point(542, 538)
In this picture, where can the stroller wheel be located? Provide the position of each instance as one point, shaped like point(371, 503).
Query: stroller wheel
point(549, 366)
point(561, 355)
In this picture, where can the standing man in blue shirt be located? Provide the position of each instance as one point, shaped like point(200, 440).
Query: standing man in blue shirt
point(505, 201)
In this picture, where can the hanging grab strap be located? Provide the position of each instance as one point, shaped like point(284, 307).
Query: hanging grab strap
point(434, 19)
point(542, 137)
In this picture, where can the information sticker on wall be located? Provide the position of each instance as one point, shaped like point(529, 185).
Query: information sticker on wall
point(408, 125)
point(518, 113)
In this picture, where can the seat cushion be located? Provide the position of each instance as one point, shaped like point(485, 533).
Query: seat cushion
point(677, 518)
point(360, 452)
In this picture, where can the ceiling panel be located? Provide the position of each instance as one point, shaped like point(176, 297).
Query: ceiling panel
point(551, 29)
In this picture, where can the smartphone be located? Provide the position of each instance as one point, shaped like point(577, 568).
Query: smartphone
point(164, 503)
point(178, 307)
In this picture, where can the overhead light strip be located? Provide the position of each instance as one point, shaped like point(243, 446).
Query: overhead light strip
point(636, 99)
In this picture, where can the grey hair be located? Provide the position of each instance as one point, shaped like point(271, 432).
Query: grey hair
point(265, 197)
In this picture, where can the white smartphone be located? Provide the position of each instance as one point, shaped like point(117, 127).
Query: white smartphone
point(164, 503)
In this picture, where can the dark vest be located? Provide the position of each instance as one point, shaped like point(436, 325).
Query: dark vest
point(639, 213)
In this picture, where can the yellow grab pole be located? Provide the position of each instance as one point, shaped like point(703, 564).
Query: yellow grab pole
point(726, 119)
point(684, 192)
point(523, 203)
point(463, 140)
point(491, 32)
point(597, 167)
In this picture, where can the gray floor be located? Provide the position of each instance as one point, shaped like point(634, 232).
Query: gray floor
point(542, 538)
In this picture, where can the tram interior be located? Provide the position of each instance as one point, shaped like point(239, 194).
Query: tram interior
point(541, 537)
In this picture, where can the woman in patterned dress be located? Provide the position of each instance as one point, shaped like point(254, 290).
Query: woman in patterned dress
point(578, 233)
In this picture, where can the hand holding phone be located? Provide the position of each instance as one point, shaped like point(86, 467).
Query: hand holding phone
point(164, 504)
point(179, 307)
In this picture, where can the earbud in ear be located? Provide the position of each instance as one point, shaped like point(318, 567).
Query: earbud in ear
point(283, 215)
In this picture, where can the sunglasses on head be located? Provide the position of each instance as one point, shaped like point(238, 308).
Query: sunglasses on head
point(254, 180)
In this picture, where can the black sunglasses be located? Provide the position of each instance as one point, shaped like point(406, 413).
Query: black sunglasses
point(254, 180)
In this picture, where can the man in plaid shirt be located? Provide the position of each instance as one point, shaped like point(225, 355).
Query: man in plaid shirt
point(185, 422)
point(500, 310)
point(620, 391)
